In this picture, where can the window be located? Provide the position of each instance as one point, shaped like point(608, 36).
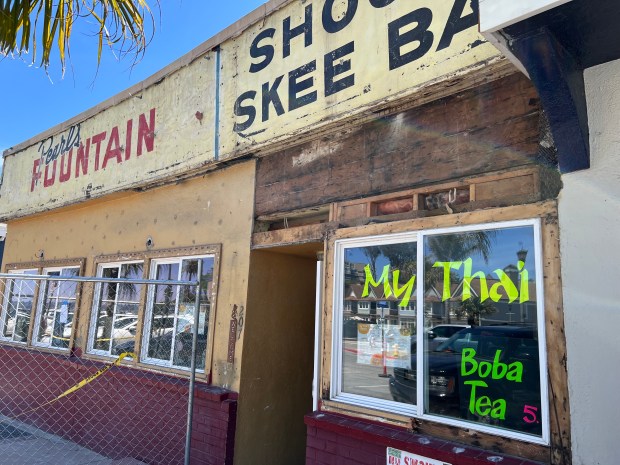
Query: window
point(114, 324)
point(17, 308)
point(481, 283)
point(54, 321)
point(171, 312)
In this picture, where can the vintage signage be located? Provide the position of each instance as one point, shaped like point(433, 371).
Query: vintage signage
point(305, 65)
point(310, 63)
point(57, 153)
point(399, 457)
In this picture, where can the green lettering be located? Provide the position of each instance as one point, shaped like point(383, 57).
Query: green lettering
point(483, 406)
point(472, 397)
point(407, 288)
point(497, 364)
point(515, 372)
point(499, 409)
point(447, 266)
point(524, 294)
point(467, 278)
point(382, 279)
point(484, 369)
point(468, 357)
point(507, 284)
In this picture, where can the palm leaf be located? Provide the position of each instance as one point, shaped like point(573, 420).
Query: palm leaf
point(119, 22)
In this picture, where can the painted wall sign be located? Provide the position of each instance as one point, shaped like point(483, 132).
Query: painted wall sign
point(313, 62)
point(112, 147)
point(399, 457)
point(153, 134)
point(305, 65)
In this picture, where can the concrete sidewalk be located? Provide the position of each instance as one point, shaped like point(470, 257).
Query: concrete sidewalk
point(21, 444)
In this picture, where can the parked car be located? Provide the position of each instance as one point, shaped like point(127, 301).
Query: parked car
point(446, 389)
point(440, 333)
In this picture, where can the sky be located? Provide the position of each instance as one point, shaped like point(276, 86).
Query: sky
point(33, 100)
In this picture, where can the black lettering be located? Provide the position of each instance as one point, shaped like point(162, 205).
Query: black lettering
point(245, 110)
point(380, 3)
point(266, 51)
point(423, 17)
point(333, 69)
point(305, 28)
point(456, 23)
point(295, 86)
point(270, 95)
point(332, 26)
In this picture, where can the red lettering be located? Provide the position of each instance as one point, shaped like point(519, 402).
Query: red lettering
point(128, 139)
point(146, 132)
point(65, 175)
point(36, 174)
point(82, 159)
point(97, 140)
point(114, 148)
point(47, 180)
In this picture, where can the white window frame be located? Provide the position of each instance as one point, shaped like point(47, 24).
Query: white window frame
point(39, 311)
point(94, 313)
point(417, 411)
point(146, 333)
point(6, 303)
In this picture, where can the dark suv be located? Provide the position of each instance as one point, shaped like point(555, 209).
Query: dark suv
point(450, 393)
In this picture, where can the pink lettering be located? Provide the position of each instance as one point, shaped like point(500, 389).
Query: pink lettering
point(114, 148)
point(36, 173)
point(146, 132)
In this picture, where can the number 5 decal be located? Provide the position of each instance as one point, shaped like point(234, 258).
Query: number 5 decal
point(530, 414)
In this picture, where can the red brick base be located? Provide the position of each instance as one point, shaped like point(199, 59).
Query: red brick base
point(340, 440)
point(124, 413)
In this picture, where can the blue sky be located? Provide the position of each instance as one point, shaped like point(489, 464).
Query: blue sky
point(33, 101)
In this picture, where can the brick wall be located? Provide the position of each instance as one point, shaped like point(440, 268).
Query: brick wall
point(340, 440)
point(123, 413)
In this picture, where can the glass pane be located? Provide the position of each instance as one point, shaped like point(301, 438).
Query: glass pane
point(379, 320)
point(483, 285)
point(21, 302)
point(163, 313)
point(9, 311)
point(55, 324)
point(103, 331)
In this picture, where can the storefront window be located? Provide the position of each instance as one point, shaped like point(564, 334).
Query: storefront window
point(378, 333)
point(481, 329)
point(115, 313)
point(17, 308)
point(171, 312)
point(54, 326)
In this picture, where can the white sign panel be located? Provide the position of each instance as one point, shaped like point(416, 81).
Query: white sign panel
point(496, 14)
point(399, 457)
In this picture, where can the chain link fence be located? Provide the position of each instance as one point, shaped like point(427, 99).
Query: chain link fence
point(57, 406)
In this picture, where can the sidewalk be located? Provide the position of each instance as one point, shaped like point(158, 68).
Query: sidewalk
point(21, 444)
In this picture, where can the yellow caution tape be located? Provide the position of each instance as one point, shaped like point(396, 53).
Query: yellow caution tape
point(84, 382)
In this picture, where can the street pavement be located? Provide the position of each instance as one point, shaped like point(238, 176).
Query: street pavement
point(21, 444)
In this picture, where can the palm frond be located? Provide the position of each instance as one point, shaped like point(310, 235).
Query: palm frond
point(119, 23)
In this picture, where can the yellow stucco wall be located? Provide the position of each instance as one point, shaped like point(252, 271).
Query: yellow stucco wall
point(212, 209)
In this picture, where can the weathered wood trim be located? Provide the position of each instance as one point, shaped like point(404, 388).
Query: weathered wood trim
point(558, 452)
point(298, 235)
point(559, 405)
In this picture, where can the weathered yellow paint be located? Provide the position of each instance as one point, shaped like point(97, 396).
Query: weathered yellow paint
point(181, 142)
point(180, 123)
point(212, 209)
point(369, 63)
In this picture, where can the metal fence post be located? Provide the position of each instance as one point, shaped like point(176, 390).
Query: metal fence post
point(192, 379)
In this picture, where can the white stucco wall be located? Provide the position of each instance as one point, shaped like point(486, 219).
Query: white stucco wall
point(590, 244)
